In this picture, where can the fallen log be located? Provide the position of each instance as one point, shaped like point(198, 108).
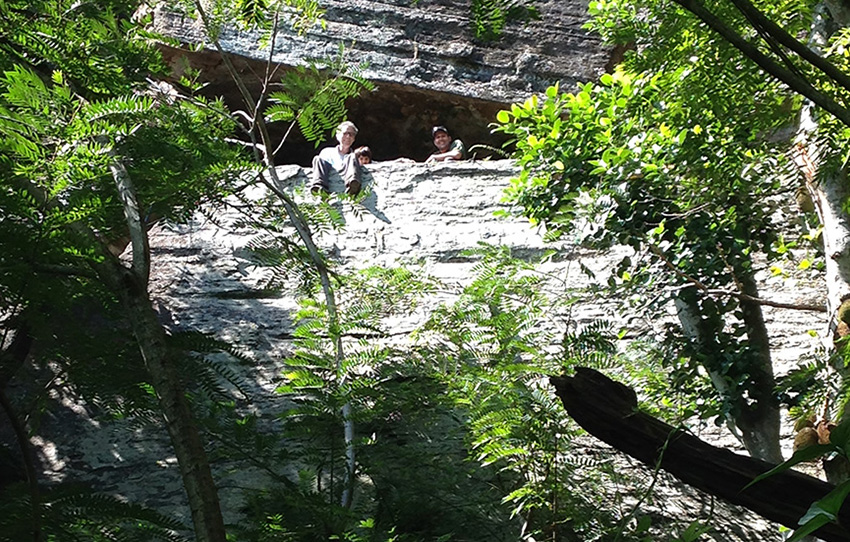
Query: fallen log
point(608, 410)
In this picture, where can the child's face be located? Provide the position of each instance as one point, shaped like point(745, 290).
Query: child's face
point(364, 160)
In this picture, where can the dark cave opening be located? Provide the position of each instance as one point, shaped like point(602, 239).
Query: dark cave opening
point(394, 120)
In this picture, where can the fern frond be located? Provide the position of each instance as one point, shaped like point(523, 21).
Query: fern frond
point(318, 93)
point(205, 343)
point(75, 513)
point(489, 17)
point(122, 106)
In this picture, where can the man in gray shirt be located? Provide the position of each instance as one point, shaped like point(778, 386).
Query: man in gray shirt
point(339, 158)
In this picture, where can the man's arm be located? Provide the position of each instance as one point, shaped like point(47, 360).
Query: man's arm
point(455, 152)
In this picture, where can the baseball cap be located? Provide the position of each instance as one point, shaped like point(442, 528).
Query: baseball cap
point(436, 129)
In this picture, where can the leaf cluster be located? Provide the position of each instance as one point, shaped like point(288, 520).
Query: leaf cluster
point(644, 159)
point(489, 17)
point(495, 345)
point(75, 513)
point(97, 47)
point(314, 95)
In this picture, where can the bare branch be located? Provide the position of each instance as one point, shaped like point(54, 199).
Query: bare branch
point(302, 227)
point(730, 293)
point(138, 235)
point(766, 26)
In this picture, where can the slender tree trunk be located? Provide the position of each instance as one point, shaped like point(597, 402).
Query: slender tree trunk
point(758, 422)
point(131, 285)
point(10, 360)
point(302, 228)
point(13, 357)
point(179, 420)
point(830, 193)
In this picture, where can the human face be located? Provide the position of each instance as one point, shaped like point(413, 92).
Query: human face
point(441, 141)
point(364, 160)
point(346, 138)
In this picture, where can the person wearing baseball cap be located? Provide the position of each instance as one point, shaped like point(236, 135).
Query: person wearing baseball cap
point(448, 148)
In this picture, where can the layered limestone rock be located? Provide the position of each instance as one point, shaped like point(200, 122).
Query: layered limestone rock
point(423, 55)
point(414, 214)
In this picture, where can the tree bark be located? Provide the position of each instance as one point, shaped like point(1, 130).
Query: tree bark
point(829, 192)
point(131, 285)
point(758, 422)
point(11, 359)
point(179, 420)
point(795, 82)
point(608, 410)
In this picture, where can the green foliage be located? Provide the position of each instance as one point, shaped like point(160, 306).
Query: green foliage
point(810, 385)
point(212, 376)
point(76, 514)
point(318, 382)
point(96, 47)
point(72, 96)
point(61, 209)
point(175, 153)
point(693, 532)
point(264, 15)
point(489, 17)
point(495, 346)
point(666, 391)
point(293, 516)
point(656, 160)
point(315, 96)
point(414, 456)
point(76, 105)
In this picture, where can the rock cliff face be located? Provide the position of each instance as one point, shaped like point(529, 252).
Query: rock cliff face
point(416, 214)
point(428, 66)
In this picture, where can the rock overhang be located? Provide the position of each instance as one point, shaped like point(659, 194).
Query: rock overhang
point(427, 66)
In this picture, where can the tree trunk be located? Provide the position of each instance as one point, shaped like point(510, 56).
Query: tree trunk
point(179, 420)
point(608, 410)
point(131, 285)
point(11, 359)
point(758, 422)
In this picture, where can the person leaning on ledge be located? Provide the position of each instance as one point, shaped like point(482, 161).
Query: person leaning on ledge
point(448, 148)
point(341, 159)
